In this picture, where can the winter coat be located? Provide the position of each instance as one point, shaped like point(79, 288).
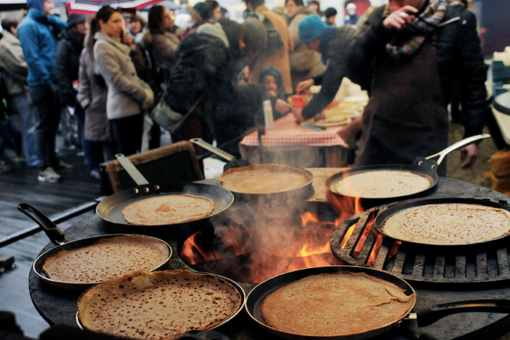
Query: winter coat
point(128, 95)
point(334, 52)
point(304, 63)
point(163, 46)
point(12, 63)
point(92, 97)
point(36, 34)
point(280, 58)
point(202, 68)
point(68, 65)
point(459, 57)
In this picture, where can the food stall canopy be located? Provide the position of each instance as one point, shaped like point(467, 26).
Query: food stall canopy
point(166, 3)
point(90, 7)
point(12, 5)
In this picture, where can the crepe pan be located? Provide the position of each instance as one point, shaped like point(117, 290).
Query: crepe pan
point(425, 167)
point(111, 208)
point(305, 190)
point(236, 285)
point(384, 215)
point(57, 237)
point(424, 317)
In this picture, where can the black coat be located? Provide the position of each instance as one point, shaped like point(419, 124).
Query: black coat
point(67, 65)
point(459, 58)
point(202, 67)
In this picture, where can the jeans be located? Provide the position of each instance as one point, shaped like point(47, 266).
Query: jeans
point(98, 152)
point(45, 99)
point(128, 132)
point(28, 114)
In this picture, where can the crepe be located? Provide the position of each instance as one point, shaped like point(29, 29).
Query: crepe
point(160, 305)
point(168, 209)
point(448, 224)
point(336, 305)
point(333, 121)
point(265, 179)
point(106, 259)
point(382, 184)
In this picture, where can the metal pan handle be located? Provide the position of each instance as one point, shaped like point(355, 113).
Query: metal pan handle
point(53, 232)
point(132, 170)
point(430, 315)
point(213, 149)
point(442, 154)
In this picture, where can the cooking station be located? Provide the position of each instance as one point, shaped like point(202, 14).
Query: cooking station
point(462, 273)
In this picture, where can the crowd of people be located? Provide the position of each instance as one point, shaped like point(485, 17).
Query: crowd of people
point(105, 75)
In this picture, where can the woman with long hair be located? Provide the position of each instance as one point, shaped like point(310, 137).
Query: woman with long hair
point(161, 40)
point(98, 143)
point(128, 95)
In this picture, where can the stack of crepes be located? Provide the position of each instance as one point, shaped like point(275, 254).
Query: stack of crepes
point(341, 113)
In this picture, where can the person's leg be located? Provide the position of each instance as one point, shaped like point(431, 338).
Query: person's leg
point(155, 133)
point(28, 114)
point(15, 137)
point(128, 132)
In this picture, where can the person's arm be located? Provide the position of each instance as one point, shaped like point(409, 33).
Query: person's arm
point(334, 73)
point(57, 23)
point(29, 43)
point(14, 64)
point(112, 73)
point(63, 74)
point(85, 91)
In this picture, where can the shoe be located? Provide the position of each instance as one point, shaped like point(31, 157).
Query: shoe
point(95, 174)
point(68, 146)
point(80, 153)
point(48, 175)
point(63, 167)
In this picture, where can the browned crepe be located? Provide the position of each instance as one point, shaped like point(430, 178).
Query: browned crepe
point(106, 259)
point(159, 305)
point(168, 209)
point(338, 304)
point(265, 179)
point(448, 224)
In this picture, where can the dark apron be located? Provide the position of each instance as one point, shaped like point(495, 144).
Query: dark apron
point(406, 116)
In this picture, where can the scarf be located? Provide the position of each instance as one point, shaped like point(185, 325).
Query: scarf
point(421, 27)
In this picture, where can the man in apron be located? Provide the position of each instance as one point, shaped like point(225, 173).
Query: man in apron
point(417, 49)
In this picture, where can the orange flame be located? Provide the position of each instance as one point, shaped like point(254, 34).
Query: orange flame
point(193, 254)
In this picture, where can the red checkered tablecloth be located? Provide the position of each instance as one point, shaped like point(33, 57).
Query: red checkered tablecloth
point(288, 132)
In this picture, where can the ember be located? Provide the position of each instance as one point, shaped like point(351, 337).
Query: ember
point(256, 243)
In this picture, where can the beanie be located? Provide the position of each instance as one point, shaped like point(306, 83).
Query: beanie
point(37, 4)
point(74, 19)
point(310, 29)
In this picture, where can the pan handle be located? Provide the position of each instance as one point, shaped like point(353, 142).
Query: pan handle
point(442, 154)
point(213, 149)
point(430, 315)
point(132, 170)
point(53, 232)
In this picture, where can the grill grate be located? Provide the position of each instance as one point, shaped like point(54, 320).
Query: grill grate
point(481, 263)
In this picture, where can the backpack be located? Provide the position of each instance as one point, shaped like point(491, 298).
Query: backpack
point(274, 40)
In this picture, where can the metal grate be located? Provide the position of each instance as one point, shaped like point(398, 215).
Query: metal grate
point(483, 263)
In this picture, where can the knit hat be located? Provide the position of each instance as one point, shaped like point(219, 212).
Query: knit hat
point(270, 70)
point(37, 4)
point(183, 21)
point(204, 10)
point(215, 30)
point(310, 28)
point(74, 19)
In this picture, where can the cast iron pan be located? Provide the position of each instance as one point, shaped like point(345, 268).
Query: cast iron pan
point(384, 215)
point(305, 190)
point(424, 317)
point(111, 208)
point(57, 237)
point(424, 167)
point(232, 282)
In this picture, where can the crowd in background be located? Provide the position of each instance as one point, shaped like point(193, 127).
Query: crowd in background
point(99, 78)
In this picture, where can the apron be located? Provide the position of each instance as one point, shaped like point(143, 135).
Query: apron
point(406, 116)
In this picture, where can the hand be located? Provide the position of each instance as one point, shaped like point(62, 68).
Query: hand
point(127, 39)
point(468, 155)
point(400, 19)
point(297, 114)
point(282, 106)
point(304, 85)
point(350, 131)
point(247, 73)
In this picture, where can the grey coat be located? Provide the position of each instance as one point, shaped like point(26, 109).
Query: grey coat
point(13, 63)
point(92, 98)
point(128, 95)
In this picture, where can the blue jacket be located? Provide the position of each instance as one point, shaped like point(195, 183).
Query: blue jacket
point(36, 35)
